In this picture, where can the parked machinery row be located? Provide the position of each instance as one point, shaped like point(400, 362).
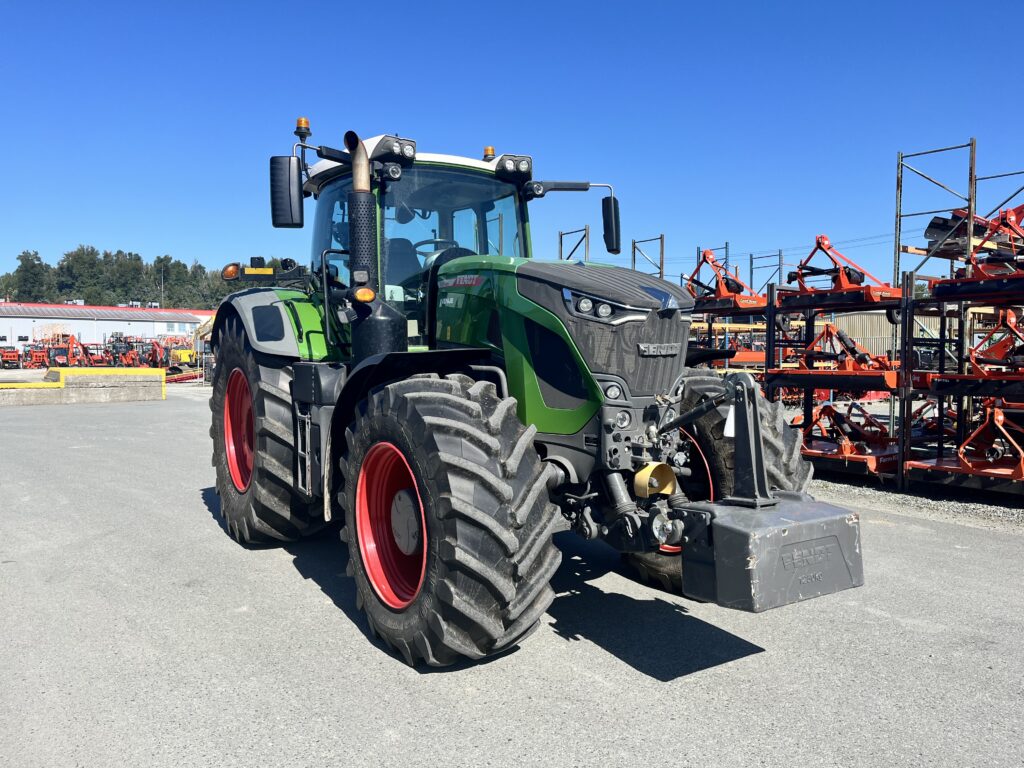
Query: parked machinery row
point(977, 376)
point(957, 392)
point(66, 351)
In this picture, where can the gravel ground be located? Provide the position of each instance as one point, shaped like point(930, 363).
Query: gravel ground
point(136, 633)
point(963, 507)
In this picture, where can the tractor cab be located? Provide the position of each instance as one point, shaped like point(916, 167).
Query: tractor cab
point(433, 212)
point(58, 356)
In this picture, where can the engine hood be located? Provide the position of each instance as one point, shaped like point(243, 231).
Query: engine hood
point(617, 284)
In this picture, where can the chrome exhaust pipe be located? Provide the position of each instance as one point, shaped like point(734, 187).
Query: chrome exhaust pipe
point(360, 162)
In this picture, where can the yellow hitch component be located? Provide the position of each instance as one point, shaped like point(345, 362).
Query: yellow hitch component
point(653, 478)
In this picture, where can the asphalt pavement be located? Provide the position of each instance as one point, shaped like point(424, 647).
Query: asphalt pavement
point(135, 632)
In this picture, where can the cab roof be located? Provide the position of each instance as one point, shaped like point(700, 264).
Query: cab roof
point(324, 170)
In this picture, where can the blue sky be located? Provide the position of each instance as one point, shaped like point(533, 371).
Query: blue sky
point(147, 126)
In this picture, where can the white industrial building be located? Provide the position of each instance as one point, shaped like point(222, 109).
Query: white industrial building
point(21, 323)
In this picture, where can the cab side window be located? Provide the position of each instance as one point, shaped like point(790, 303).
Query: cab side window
point(330, 229)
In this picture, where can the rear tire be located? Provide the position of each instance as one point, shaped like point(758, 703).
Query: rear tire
point(449, 458)
point(253, 444)
point(786, 468)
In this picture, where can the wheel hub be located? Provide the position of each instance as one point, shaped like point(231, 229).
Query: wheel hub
point(405, 521)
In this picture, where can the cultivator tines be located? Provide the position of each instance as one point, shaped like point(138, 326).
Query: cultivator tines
point(849, 285)
point(854, 436)
point(725, 292)
point(994, 253)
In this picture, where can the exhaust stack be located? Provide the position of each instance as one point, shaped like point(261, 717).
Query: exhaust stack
point(378, 327)
point(362, 218)
point(360, 162)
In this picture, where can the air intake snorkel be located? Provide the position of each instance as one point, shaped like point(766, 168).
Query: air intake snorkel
point(378, 327)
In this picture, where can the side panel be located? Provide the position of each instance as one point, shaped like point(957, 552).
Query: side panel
point(473, 289)
point(305, 312)
point(279, 321)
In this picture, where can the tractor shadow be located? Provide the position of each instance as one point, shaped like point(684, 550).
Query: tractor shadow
point(656, 637)
point(322, 559)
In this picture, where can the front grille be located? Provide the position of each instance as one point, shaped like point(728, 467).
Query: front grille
point(616, 350)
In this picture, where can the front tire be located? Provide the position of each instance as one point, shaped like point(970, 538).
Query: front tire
point(447, 519)
point(253, 444)
point(714, 467)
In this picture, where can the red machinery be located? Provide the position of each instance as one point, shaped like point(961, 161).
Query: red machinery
point(853, 436)
point(156, 355)
point(852, 367)
point(65, 351)
point(993, 450)
point(10, 357)
point(726, 292)
point(999, 356)
point(851, 284)
point(123, 353)
point(98, 355)
point(925, 423)
point(35, 356)
point(994, 253)
point(1002, 348)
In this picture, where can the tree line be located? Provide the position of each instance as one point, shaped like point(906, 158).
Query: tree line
point(110, 278)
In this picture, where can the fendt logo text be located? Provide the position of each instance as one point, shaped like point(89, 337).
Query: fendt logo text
point(659, 350)
point(803, 558)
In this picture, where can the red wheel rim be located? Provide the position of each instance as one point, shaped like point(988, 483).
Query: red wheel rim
point(239, 430)
point(395, 575)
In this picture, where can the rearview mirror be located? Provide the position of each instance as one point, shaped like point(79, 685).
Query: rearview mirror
point(610, 217)
point(286, 191)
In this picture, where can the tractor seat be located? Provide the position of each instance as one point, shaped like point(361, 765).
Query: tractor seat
point(402, 261)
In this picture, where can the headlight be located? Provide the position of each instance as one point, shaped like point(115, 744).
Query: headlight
point(524, 166)
point(408, 150)
point(623, 419)
point(599, 309)
point(396, 148)
point(510, 165)
point(613, 392)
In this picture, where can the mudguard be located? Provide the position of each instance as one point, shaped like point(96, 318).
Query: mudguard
point(277, 321)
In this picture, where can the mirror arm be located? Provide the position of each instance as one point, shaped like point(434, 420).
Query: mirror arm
point(535, 189)
point(323, 152)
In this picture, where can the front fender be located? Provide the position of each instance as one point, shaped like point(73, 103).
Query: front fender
point(392, 366)
point(277, 321)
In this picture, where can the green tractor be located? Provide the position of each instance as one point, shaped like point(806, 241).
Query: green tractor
point(452, 403)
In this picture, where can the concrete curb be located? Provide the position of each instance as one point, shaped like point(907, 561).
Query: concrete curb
point(88, 385)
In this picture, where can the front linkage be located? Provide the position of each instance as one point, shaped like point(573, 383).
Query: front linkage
point(757, 548)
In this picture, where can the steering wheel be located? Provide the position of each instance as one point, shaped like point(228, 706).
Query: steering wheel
point(441, 245)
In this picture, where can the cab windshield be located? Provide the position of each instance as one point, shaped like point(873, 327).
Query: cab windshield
point(432, 213)
point(432, 210)
point(429, 211)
